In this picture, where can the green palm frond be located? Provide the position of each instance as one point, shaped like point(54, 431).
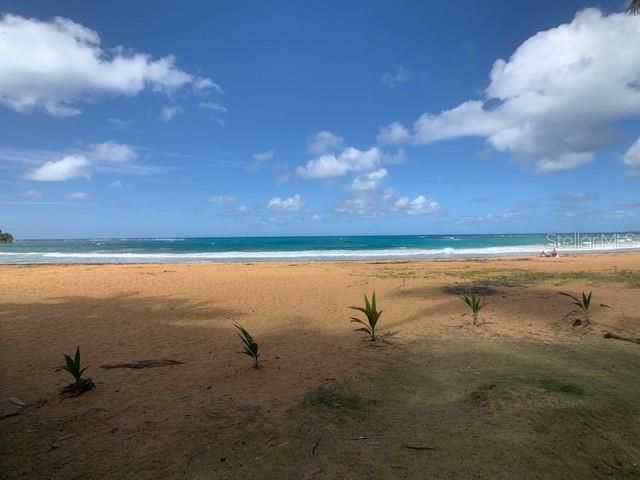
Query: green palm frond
point(475, 304)
point(250, 346)
point(372, 315)
point(583, 303)
point(72, 365)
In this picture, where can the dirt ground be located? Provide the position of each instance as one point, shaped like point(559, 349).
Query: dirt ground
point(523, 395)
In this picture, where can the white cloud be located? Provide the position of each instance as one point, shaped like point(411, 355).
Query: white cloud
point(291, 204)
point(556, 100)
point(392, 79)
point(71, 166)
point(32, 194)
point(394, 133)
point(168, 112)
point(632, 158)
point(77, 196)
point(324, 142)
point(116, 185)
point(112, 151)
point(222, 199)
point(359, 205)
point(369, 181)
point(57, 65)
point(218, 107)
point(263, 156)
point(420, 205)
point(395, 158)
point(349, 160)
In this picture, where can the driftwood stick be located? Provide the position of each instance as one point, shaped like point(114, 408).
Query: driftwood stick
point(143, 364)
point(620, 337)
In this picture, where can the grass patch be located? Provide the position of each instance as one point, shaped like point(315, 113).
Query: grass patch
point(520, 277)
point(328, 399)
point(554, 386)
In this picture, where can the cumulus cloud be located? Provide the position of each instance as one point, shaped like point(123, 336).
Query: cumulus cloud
point(392, 79)
point(324, 142)
point(336, 165)
point(420, 205)
point(116, 185)
point(68, 167)
point(361, 205)
point(77, 196)
point(106, 156)
point(112, 151)
point(59, 64)
point(263, 156)
point(168, 112)
point(555, 101)
point(216, 106)
point(290, 204)
point(632, 158)
point(369, 181)
point(394, 133)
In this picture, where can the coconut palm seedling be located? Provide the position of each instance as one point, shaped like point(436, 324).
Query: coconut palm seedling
point(250, 347)
point(584, 304)
point(73, 366)
point(475, 304)
point(372, 316)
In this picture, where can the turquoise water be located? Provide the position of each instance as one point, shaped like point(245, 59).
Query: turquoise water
point(191, 250)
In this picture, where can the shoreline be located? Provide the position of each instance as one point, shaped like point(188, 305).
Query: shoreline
point(347, 261)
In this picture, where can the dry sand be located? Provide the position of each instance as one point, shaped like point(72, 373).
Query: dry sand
point(326, 403)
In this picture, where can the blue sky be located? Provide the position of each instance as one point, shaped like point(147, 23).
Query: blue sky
point(317, 118)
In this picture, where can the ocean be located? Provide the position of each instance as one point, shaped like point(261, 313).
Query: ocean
point(249, 249)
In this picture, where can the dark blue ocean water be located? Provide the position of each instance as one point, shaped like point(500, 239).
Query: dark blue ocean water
point(191, 250)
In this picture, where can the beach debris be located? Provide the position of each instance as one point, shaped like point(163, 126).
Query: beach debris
point(143, 364)
point(11, 414)
point(420, 447)
point(315, 447)
point(17, 401)
point(78, 388)
point(621, 337)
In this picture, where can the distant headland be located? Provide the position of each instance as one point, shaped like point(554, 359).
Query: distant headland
point(6, 237)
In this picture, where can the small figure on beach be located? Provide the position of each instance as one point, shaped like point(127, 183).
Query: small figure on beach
point(553, 253)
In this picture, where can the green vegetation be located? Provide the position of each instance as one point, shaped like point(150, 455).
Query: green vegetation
point(6, 237)
point(519, 277)
point(72, 365)
point(250, 347)
point(332, 400)
point(563, 388)
point(475, 304)
point(373, 315)
point(584, 304)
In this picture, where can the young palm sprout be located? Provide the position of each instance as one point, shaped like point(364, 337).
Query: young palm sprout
point(373, 315)
point(250, 347)
point(583, 303)
point(475, 305)
point(80, 385)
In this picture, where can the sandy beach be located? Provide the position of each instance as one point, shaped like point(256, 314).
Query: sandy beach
point(436, 396)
